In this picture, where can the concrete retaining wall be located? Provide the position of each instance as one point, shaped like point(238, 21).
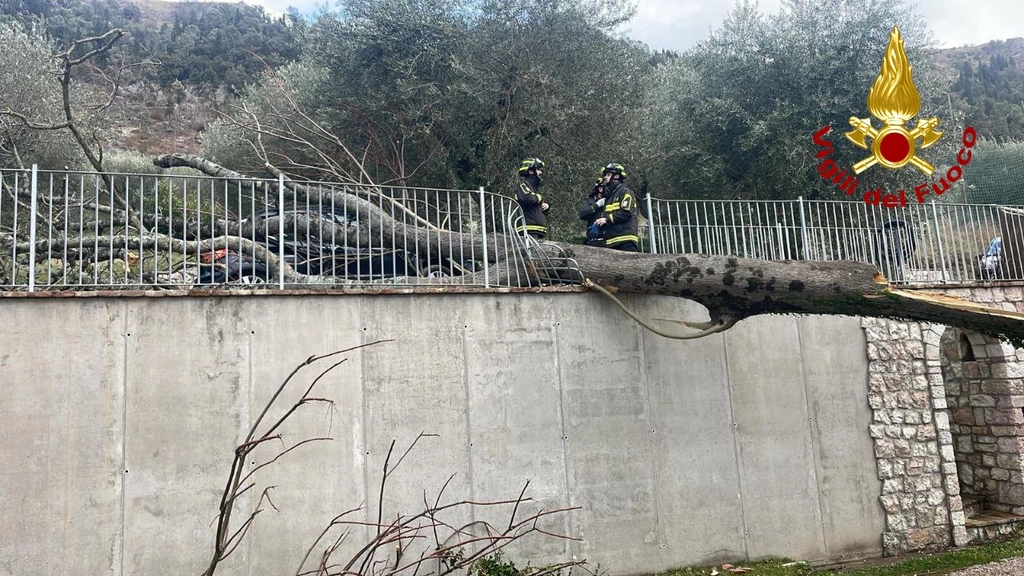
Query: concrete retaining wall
point(119, 416)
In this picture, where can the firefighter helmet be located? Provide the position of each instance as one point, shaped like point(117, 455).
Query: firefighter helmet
point(530, 164)
point(617, 169)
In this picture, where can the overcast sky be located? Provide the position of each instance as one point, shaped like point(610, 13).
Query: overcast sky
point(679, 24)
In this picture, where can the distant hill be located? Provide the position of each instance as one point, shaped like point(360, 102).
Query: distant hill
point(199, 52)
point(157, 12)
point(988, 87)
point(204, 51)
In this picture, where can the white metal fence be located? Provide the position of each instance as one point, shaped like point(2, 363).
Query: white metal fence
point(933, 243)
point(82, 230)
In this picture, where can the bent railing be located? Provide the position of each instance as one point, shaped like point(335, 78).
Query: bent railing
point(81, 230)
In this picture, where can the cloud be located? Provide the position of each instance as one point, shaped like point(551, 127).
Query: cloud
point(680, 24)
point(955, 25)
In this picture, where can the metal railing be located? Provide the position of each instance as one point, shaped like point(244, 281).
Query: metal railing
point(932, 243)
point(83, 230)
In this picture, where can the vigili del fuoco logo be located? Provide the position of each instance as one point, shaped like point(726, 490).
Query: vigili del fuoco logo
point(893, 100)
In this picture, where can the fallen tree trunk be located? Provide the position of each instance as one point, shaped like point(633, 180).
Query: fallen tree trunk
point(736, 288)
point(730, 288)
point(368, 221)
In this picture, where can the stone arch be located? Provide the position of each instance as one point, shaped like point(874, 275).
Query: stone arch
point(985, 395)
point(981, 347)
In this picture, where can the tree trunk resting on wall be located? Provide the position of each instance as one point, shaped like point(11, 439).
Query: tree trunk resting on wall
point(730, 288)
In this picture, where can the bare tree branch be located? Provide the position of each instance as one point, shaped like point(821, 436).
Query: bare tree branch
point(224, 543)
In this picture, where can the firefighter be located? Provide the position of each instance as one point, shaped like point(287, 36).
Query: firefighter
point(618, 222)
point(592, 209)
point(534, 207)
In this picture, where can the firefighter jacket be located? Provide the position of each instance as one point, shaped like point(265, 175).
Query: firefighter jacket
point(620, 210)
point(591, 211)
point(530, 201)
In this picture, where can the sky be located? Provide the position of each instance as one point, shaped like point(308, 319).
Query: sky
point(679, 24)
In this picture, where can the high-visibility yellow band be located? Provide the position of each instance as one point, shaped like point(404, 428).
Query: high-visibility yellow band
point(611, 207)
point(532, 228)
point(621, 239)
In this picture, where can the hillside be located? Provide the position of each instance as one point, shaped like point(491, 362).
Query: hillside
point(194, 55)
point(988, 86)
point(154, 13)
point(199, 53)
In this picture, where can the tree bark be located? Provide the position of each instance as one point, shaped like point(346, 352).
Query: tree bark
point(736, 288)
point(368, 221)
point(730, 288)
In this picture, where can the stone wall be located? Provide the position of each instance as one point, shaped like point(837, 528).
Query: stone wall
point(946, 419)
point(913, 444)
point(985, 396)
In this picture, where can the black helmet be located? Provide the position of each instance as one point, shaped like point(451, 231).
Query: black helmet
point(530, 164)
point(617, 169)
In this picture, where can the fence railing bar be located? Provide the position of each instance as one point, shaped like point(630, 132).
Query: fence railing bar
point(947, 237)
point(34, 189)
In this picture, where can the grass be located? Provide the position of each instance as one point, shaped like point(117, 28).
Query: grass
point(919, 565)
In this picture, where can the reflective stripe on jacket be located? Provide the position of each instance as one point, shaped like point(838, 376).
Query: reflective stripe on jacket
point(620, 211)
point(530, 201)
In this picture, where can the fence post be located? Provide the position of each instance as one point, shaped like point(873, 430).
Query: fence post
point(32, 231)
point(280, 231)
point(803, 226)
point(650, 225)
point(483, 230)
point(938, 240)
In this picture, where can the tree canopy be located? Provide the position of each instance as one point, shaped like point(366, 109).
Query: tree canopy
point(28, 80)
point(206, 44)
point(454, 94)
point(733, 117)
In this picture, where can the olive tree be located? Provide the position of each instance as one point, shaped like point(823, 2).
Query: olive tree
point(734, 116)
point(448, 94)
point(293, 132)
point(28, 85)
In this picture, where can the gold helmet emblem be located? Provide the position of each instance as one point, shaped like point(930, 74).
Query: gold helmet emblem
point(894, 100)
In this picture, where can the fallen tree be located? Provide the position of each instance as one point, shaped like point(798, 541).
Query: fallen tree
point(731, 288)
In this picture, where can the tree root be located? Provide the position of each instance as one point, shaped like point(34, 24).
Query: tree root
point(706, 328)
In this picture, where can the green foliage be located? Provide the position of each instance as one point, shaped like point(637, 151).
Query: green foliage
point(129, 162)
point(29, 86)
point(734, 117)
point(453, 94)
point(205, 44)
point(989, 90)
point(496, 565)
point(447, 94)
point(219, 44)
point(996, 174)
point(230, 143)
